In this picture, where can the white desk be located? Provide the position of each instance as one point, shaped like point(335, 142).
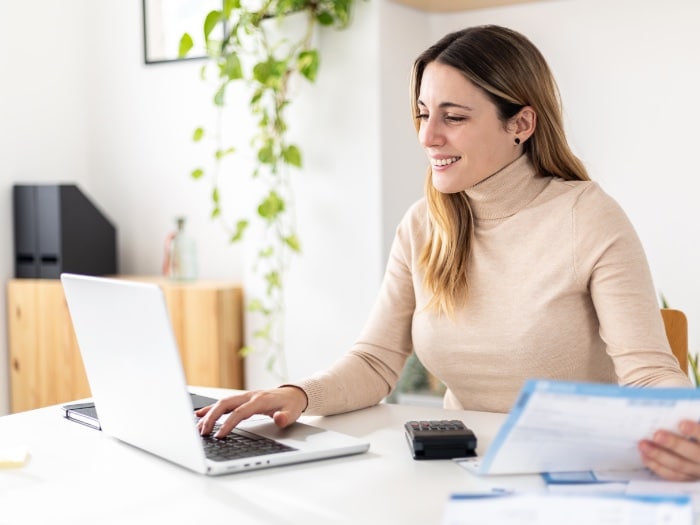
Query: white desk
point(78, 475)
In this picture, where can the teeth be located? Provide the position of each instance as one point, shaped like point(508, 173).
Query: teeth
point(445, 162)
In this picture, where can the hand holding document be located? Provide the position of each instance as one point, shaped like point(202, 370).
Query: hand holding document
point(559, 426)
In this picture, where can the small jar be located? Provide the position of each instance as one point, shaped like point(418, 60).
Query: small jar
point(183, 254)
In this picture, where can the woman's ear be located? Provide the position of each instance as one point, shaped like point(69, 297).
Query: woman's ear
point(524, 122)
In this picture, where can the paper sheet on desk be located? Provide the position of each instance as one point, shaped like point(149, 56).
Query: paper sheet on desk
point(557, 509)
point(635, 482)
point(559, 426)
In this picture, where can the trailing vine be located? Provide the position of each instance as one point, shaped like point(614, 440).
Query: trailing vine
point(251, 49)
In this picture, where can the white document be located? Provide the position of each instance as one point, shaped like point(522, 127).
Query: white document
point(690, 489)
point(559, 426)
point(631, 482)
point(558, 509)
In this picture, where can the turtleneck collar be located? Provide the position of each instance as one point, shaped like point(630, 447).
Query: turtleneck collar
point(507, 191)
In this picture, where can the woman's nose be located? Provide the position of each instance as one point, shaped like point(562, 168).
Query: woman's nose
point(430, 134)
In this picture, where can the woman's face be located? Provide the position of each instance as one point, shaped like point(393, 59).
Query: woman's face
point(460, 130)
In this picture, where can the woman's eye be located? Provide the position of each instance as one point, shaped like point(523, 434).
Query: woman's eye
point(447, 118)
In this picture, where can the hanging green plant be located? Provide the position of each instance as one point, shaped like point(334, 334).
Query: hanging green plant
point(256, 52)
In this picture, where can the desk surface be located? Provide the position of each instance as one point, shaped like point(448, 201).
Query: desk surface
point(78, 475)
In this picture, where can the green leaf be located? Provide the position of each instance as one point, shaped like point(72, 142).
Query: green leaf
point(263, 333)
point(232, 67)
point(219, 96)
point(274, 281)
point(257, 95)
point(266, 253)
point(293, 242)
point(280, 124)
point(221, 153)
point(240, 230)
point(186, 44)
point(261, 72)
point(198, 134)
point(271, 207)
point(341, 11)
point(230, 5)
point(198, 173)
point(215, 212)
point(215, 196)
point(245, 351)
point(307, 64)
point(266, 154)
point(213, 18)
point(270, 73)
point(270, 362)
point(256, 305)
point(325, 18)
point(292, 155)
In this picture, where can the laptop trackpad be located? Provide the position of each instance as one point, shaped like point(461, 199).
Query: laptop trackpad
point(264, 426)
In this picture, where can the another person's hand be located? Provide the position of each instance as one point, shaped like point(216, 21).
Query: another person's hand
point(284, 405)
point(674, 456)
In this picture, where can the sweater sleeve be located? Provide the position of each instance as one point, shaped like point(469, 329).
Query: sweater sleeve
point(371, 369)
point(609, 254)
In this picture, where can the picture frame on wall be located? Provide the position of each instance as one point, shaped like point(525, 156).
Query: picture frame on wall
point(164, 23)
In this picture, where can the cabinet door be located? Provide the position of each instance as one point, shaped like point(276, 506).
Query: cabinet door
point(45, 363)
point(208, 323)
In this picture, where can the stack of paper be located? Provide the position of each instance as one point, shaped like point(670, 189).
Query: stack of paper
point(557, 509)
point(583, 438)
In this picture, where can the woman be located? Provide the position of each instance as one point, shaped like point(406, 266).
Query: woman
point(513, 266)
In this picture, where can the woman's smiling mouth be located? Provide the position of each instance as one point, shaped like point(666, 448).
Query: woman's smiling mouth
point(445, 162)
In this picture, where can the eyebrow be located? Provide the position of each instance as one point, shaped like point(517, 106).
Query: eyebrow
point(448, 105)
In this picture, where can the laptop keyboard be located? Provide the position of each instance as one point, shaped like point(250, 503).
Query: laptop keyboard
point(240, 444)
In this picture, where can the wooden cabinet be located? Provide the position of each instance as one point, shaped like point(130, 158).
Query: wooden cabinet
point(45, 363)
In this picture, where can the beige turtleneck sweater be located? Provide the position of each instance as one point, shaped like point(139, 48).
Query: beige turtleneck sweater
point(559, 289)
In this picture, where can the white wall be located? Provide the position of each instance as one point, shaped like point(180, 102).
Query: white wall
point(403, 163)
point(79, 105)
point(43, 115)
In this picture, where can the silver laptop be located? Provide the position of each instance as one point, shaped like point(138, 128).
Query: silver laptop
point(140, 392)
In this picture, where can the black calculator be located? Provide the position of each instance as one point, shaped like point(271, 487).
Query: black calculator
point(440, 439)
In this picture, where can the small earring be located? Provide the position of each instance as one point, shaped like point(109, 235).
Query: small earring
point(517, 140)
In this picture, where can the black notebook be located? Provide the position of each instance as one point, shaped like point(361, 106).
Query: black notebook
point(86, 413)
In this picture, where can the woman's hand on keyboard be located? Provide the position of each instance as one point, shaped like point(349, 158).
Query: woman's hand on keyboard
point(284, 405)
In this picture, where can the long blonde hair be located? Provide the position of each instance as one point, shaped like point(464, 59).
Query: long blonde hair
point(513, 74)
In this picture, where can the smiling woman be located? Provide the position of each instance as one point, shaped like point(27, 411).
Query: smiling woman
point(514, 266)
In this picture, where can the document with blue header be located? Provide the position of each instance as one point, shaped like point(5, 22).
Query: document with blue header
point(561, 426)
point(556, 509)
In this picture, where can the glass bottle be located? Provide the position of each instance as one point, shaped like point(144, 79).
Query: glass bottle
point(183, 256)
